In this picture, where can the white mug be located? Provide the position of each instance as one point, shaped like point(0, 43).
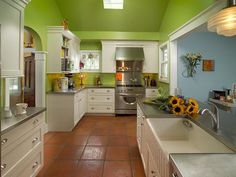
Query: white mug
point(21, 108)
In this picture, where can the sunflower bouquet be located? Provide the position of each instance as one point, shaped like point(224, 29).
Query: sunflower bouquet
point(180, 106)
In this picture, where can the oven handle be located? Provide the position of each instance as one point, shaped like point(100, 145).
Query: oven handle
point(130, 95)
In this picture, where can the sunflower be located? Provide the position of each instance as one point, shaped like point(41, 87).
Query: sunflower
point(174, 101)
point(178, 109)
point(191, 109)
point(193, 102)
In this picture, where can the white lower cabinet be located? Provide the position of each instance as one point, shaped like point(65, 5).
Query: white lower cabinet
point(23, 156)
point(66, 110)
point(101, 100)
point(151, 92)
point(147, 146)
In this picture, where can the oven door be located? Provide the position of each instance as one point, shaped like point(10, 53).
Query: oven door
point(127, 101)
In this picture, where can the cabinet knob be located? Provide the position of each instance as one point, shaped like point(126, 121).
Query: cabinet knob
point(108, 98)
point(35, 165)
point(92, 108)
point(108, 108)
point(108, 90)
point(174, 175)
point(3, 166)
point(92, 90)
point(4, 141)
point(153, 91)
point(35, 121)
point(141, 123)
point(92, 98)
point(35, 139)
point(153, 172)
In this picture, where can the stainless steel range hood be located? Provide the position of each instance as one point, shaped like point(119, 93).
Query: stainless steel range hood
point(129, 54)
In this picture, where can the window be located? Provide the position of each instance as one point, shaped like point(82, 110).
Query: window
point(90, 60)
point(164, 63)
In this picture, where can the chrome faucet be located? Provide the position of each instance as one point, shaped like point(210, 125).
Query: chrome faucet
point(214, 116)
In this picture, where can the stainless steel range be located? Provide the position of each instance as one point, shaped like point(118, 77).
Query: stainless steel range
point(129, 64)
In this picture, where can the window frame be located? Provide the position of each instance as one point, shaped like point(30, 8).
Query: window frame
point(164, 46)
point(99, 52)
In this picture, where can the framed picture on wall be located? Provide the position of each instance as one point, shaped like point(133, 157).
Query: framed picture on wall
point(208, 65)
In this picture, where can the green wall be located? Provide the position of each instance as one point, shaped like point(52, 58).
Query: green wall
point(90, 45)
point(179, 12)
point(39, 15)
point(116, 35)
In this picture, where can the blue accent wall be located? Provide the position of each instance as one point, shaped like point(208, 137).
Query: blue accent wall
point(211, 46)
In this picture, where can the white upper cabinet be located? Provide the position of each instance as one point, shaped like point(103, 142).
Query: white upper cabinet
point(11, 38)
point(150, 64)
point(108, 57)
point(63, 51)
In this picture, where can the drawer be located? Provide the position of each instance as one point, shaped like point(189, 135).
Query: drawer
point(33, 168)
point(13, 154)
point(151, 92)
point(101, 91)
point(101, 98)
point(30, 165)
point(16, 133)
point(101, 109)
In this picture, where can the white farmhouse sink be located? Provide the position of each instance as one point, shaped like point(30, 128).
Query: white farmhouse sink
point(175, 137)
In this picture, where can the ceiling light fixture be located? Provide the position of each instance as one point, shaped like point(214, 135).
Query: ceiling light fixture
point(113, 4)
point(224, 22)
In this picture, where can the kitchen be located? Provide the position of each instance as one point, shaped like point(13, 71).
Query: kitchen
point(98, 131)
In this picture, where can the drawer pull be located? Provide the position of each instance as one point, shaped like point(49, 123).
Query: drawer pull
point(141, 123)
point(92, 90)
point(35, 121)
point(174, 175)
point(4, 141)
point(35, 165)
point(35, 140)
point(108, 98)
point(153, 91)
point(108, 90)
point(92, 108)
point(92, 98)
point(108, 108)
point(3, 166)
point(143, 117)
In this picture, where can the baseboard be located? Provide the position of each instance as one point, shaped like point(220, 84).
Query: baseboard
point(100, 114)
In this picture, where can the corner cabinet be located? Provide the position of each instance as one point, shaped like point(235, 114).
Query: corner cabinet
point(63, 51)
point(65, 110)
point(150, 64)
point(12, 37)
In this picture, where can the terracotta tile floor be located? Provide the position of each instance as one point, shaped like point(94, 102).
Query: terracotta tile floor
point(97, 147)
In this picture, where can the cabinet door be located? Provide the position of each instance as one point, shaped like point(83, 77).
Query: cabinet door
point(108, 58)
point(150, 64)
point(11, 29)
point(76, 109)
point(152, 169)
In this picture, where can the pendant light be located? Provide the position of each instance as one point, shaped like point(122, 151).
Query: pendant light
point(224, 22)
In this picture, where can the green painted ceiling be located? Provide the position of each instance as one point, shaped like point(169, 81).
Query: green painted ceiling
point(137, 15)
